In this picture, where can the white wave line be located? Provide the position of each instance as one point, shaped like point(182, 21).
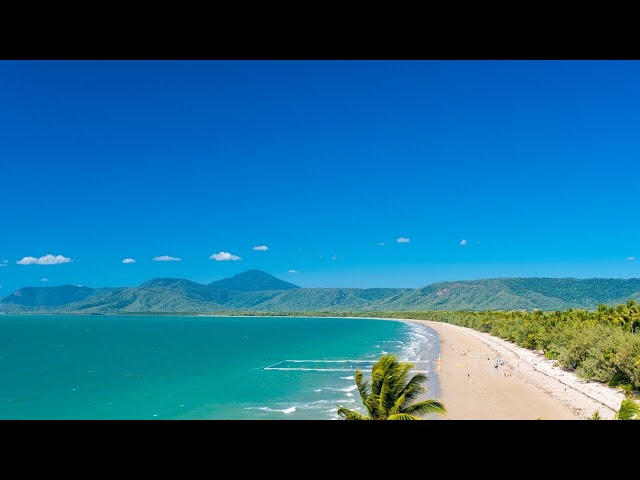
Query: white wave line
point(311, 369)
point(341, 361)
point(328, 361)
point(300, 369)
point(276, 366)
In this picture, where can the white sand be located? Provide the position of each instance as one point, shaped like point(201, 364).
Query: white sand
point(527, 386)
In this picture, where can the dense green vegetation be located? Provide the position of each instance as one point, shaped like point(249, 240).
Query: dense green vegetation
point(516, 294)
point(258, 291)
point(388, 395)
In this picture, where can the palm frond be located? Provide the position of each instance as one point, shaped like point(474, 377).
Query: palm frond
point(397, 406)
point(350, 414)
point(629, 410)
point(425, 407)
point(414, 387)
point(364, 388)
point(403, 416)
point(404, 369)
point(379, 372)
point(388, 394)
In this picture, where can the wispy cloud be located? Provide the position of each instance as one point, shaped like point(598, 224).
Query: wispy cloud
point(45, 260)
point(5, 261)
point(129, 260)
point(44, 279)
point(261, 248)
point(166, 258)
point(334, 257)
point(224, 257)
point(3, 264)
point(381, 244)
point(293, 271)
point(463, 243)
point(403, 240)
point(630, 259)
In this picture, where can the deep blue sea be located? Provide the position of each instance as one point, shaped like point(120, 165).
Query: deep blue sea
point(188, 367)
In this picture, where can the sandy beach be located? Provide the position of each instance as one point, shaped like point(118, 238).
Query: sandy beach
point(525, 386)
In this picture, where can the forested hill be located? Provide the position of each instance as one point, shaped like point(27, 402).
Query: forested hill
point(258, 291)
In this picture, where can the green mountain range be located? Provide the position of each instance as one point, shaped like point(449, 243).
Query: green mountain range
point(258, 291)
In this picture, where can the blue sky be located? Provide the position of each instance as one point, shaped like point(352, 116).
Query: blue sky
point(533, 164)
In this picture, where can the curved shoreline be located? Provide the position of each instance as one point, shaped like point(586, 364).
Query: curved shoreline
point(526, 386)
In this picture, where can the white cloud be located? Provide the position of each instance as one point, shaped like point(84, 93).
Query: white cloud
point(224, 257)
point(261, 248)
point(166, 258)
point(27, 261)
point(631, 259)
point(44, 279)
point(293, 271)
point(5, 261)
point(46, 260)
point(381, 244)
point(3, 264)
point(463, 243)
point(129, 260)
point(403, 240)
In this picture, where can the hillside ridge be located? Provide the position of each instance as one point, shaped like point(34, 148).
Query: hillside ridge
point(255, 290)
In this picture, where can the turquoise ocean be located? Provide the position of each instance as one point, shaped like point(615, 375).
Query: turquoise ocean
point(190, 367)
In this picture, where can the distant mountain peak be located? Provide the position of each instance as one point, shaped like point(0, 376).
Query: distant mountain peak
point(252, 281)
point(258, 291)
point(48, 296)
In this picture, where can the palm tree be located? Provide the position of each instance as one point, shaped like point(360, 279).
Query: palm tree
point(634, 315)
point(629, 410)
point(389, 396)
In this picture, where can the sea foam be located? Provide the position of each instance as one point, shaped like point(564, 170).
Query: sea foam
point(283, 410)
point(342, 389)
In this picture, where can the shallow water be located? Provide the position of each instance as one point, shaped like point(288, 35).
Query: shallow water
point(179, 367)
